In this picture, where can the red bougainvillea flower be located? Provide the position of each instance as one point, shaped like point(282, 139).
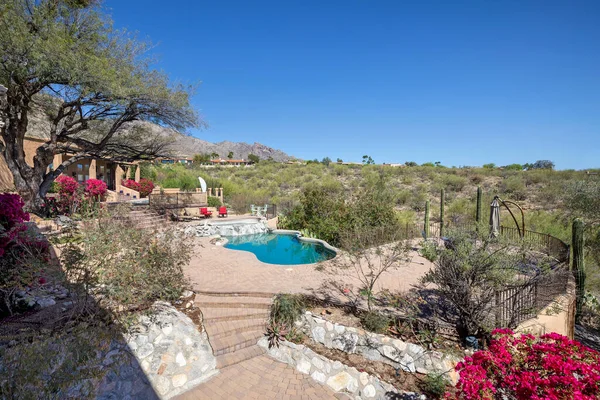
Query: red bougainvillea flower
point(526, 367)
point(67, 185)
point(95, 189)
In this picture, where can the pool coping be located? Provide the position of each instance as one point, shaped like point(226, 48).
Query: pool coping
point(298, 235)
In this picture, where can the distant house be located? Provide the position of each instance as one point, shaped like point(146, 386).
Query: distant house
point(175, 160)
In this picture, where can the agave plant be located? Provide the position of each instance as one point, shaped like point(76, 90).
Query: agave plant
point(276, 333)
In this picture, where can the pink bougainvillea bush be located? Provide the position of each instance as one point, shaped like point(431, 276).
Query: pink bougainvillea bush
point(22, 251)
point(95, 189)
point(12, 217)
point(131, 184)
point(526, 367)
point(69, 197)
point(67, 185)
point(146, 187)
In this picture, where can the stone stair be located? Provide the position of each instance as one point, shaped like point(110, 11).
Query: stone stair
point(144, 218)
point(234, 322)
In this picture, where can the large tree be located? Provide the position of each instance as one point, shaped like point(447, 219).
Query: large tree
point(62, 60)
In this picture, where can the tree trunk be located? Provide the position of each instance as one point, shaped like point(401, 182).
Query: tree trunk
point(27, 178)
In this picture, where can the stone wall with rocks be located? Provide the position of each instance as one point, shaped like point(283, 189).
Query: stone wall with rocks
point(408, 356)
point(168, 352)
point(338, 377)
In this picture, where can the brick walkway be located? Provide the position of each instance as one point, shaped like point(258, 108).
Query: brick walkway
point(260, 378)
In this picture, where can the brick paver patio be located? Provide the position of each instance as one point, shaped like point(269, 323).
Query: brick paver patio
point(216, 268)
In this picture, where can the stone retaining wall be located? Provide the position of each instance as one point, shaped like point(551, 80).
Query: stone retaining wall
point(338, 377)
point(408, 356)
point(169, 352)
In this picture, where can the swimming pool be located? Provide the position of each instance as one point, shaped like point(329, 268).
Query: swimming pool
point(283, 249)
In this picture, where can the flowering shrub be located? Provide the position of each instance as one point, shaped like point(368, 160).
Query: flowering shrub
point(67, 185)
point(69, 197)
point(131, 184)
point(146, 186)
point(95, 189)
point(524, 367)
point(12, 217)
point(22, 252)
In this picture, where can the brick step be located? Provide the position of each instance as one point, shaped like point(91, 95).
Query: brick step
point(226, 360)
point(232, 317)
point(202, 299)
point(256, 306)
point(235, 294)
point(231, 343)
point(224, 328)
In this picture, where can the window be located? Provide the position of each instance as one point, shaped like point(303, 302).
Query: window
point(79, 167)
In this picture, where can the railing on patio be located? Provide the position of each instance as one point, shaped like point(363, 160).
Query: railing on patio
point(178, 200)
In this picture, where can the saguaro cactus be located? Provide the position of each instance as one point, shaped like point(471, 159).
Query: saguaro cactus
point(577, 242)
point(426, 227)
point(442, 198)
point(478, 212)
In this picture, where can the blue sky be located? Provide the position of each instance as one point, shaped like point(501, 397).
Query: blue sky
point(461, 82)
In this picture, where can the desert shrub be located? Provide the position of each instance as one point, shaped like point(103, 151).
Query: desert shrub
point(125, 268)
point(435, 385)
point(527, 367)
point(375, 321)
point(453, 182)
point(429, 251)
point(287, 308)
point(214, 201)
point(469, 272)
point(515, 187)
point(188, 183)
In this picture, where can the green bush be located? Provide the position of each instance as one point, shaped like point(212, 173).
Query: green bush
point(126, 268)
point(515, 187)
point(214, 201)
point(375, 322)
point(286, 309)
point(435, 385)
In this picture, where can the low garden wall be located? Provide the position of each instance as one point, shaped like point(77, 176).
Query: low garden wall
point(337, 376)
point(376, 347)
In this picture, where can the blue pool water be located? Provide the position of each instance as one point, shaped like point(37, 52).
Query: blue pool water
point(280, 249)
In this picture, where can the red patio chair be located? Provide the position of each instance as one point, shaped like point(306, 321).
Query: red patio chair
point(205, 213)
point(223, 211)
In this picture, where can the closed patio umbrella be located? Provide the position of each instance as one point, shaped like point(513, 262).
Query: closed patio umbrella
point(495, 217)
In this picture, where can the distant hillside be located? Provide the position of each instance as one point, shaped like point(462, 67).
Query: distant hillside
point(189, 145)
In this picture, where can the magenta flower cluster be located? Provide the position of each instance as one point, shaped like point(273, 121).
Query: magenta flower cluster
point(95, 189)
point(12, 218)
point(144, 186)
point(526, 367)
